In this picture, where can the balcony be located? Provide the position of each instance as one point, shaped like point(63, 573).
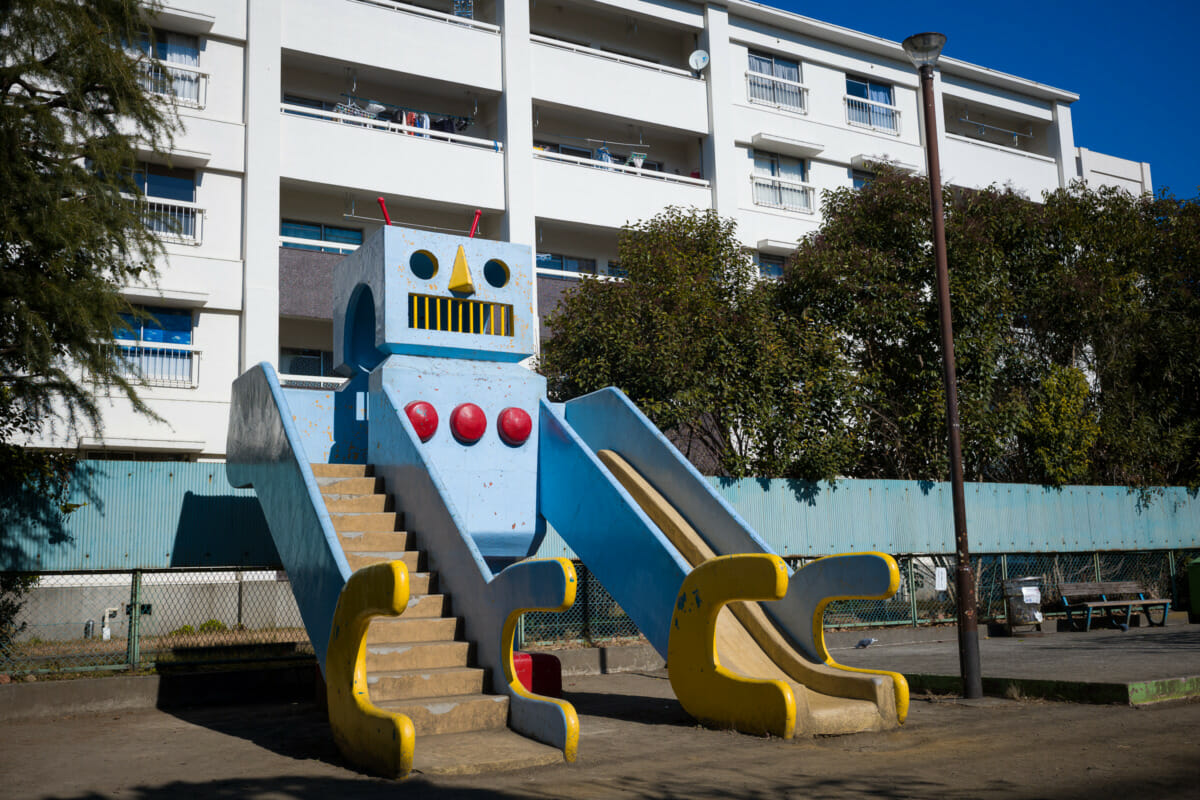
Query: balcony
point(156, 364)
point(608, 195)
point(781, 194)
point(396, 37)
point(975, 164)
point(627, 88)
point(869, 114)
point(174, 220)
point(777, 92)
point(186, 86)
point(375, 154)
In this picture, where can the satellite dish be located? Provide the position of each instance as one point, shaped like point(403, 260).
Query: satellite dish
point(698, 60)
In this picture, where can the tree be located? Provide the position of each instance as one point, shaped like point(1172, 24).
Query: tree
point(75, 105)
point(702, 348)
point(1075, 320)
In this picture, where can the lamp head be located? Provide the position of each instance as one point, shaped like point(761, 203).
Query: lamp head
point(924, 48)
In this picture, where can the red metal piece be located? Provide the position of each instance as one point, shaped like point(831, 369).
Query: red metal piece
point(468, 423)
point(515, 426)
point(423, 417)
point(475, 223)
point(383, 208)
point(540, 673)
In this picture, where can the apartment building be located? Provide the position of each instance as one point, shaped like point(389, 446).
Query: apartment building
point(559, 120)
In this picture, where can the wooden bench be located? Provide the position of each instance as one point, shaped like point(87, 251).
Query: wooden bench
point(1119, 600)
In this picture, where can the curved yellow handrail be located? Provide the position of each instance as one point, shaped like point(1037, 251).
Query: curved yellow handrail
point(571, 718)
point(708, 691)
point(899, 682)
point(377, 740)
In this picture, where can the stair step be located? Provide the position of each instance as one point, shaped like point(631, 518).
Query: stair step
point(357, 502)
point(368, 541)
point(472, 752)
point(350, 486)
point(392, 656)
point(428, 682)
point(427, 605)
point(411, 558)
point(409, 630)
point(341, 470)
point(364, 521)
point(468, 712)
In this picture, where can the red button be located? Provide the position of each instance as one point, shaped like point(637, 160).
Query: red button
point(468, 423)
point(515, 426)
point(423, 417)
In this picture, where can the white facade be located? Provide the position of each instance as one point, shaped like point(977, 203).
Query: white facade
point(560, 121)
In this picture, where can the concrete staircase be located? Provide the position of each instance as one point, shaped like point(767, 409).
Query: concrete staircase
point(418, 663)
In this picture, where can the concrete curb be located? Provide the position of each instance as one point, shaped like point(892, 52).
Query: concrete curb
point(1134, 693)
point(605, 660)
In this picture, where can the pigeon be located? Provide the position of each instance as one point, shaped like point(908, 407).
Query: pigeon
point(865, 643)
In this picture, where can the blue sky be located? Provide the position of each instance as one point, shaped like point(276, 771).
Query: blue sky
point(1129, 63)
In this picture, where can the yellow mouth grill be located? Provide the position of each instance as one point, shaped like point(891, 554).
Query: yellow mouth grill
point(433, 313)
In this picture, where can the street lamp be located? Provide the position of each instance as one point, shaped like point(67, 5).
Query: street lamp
point(923, 49)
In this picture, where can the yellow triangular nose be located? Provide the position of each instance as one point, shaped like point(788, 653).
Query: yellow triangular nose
point(460, 278)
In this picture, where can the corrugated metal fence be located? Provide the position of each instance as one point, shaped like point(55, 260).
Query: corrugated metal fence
point(177, 566)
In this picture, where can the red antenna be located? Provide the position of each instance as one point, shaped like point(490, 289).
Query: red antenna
point(475, 224)
point(383, 208)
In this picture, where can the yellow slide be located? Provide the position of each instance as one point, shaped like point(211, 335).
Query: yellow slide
point(795, 694)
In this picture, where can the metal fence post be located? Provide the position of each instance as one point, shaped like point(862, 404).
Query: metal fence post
point(912, 591)
point(1096, 564)
point(133, 645)
point(1171, 576)
point(585, 580)
point(1003, 567)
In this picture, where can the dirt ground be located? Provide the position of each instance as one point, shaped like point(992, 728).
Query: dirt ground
point(636, 742)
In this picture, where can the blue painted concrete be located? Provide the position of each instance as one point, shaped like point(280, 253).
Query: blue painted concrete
point(266, 450)
point(607, 529)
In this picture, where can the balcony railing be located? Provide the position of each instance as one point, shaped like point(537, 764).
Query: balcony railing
point(310, 382)
point(156, 364)
point(787, 195)
point(450, 19)
point(173, 220)
point(870, 114)
point(385, 126)
point(607, 56)
point(189, 87)
point(778, 92)
point(317, 245)
point(614, 167)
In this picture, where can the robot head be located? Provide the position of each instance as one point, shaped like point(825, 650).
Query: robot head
point(413, 292)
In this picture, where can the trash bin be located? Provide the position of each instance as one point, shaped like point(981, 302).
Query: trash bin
point(1193, 573)
point(1023, 603)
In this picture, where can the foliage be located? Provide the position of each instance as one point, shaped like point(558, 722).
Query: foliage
point(14, 587)
point(700, 346)
point(74, 111)
point(212, 626)
point(1075, 322)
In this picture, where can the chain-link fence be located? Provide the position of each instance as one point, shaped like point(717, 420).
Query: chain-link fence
point(927, 593)
point(594, 619)
point(114, 621)
point(135, 620)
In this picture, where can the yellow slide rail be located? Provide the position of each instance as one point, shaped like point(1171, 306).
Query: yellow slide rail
point(706, 690)
point(374, 739)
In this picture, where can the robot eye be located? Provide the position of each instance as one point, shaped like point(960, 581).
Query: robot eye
point(496, 273)
point(423, 264)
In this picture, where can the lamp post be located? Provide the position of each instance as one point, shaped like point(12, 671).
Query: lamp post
point(923, 49)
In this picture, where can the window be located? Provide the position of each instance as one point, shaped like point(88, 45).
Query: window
point(303, 361)
point(158, 349)
point(616, 270)
point(780, 182)
point(168, 194)
point(562, 263)
point(176, 73)
point(770, 266)
point(870, 104)
point(861, 177)
point(350, 238)
point(775, 81)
